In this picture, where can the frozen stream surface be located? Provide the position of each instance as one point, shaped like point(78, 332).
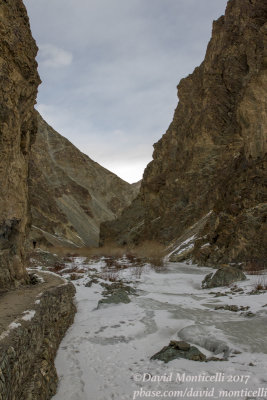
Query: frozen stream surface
point(106, 353)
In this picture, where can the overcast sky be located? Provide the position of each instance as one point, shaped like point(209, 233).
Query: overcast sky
point(110, 70)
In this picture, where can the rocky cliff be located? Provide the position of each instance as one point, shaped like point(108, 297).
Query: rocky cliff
point(18, 88)
point(206, 179)
point(70, 194)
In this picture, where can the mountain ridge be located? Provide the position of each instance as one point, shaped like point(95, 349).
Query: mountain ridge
point(70, 194)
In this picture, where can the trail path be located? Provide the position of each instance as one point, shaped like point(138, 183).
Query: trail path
point(13, 303)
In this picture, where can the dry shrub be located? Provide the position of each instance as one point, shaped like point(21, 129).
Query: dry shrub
point(148, 252)
point(70, 270)
point(255, 267)
point(151, 251)
point(57, 268)
point(261, 284)
point(91, 252)
point(136, 272)
point(110, 276)
point(81, 271)
point(74, 277)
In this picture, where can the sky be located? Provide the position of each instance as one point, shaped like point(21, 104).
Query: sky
point(110, 69)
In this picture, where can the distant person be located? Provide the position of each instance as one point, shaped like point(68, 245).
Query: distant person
point(34, 244)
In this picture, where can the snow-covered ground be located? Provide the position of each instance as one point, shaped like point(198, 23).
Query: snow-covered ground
point(106, 353)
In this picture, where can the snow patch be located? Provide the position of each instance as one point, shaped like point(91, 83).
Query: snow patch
point(206, 337)
point(13, 325)
point(28, 315)
point(188, 244)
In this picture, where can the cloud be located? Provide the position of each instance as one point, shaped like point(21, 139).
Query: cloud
point(51, 56)
point(124, 58)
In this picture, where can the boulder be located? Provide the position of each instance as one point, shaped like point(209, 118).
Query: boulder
point(118, 296)
point(179, 349)
point(116, 293)
point(223, 277)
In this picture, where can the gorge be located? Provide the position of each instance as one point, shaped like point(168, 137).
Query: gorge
point(201, 203)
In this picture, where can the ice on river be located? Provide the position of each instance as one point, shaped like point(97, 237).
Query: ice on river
point(106, 353)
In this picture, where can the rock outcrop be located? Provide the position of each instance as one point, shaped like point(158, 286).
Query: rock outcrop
point(211, 163)
point(18, 90)
point(70, 194)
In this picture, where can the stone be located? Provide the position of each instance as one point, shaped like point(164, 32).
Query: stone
point(223, 277)
point(111, 288)
point(180, 345)
point(179, 349)
point(91, 282)
point(34, 280)
point(249, 314)
point(117, 296)
point(115, 293)
point(233, 308)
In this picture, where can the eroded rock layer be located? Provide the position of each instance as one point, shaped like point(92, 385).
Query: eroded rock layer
point(18, 89)
point(70, 194)
point(212, 160)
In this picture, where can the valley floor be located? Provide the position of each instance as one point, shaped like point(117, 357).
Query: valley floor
point(106, 353)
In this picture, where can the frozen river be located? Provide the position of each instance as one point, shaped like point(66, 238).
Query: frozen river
point(106, 354)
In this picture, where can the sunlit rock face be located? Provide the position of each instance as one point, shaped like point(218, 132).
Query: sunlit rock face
point(70, 194)
point(18, 89)
point(212, 159)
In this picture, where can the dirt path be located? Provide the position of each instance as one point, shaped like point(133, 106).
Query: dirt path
point(14, 302)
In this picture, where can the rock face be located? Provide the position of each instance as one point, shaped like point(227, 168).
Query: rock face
point(70, 194)
point(211, 163)
point(18, 90)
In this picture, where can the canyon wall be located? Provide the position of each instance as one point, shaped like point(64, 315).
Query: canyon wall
point(18, 90)
point(70, 194)
point(210, 166)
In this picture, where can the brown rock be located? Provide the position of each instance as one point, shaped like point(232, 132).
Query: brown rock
point(18, 89)
point(213, 156)
point(179, 344)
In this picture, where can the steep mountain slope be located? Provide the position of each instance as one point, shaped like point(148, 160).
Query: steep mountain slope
point(208, 170)
point(18, 89)
point(70, 194)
